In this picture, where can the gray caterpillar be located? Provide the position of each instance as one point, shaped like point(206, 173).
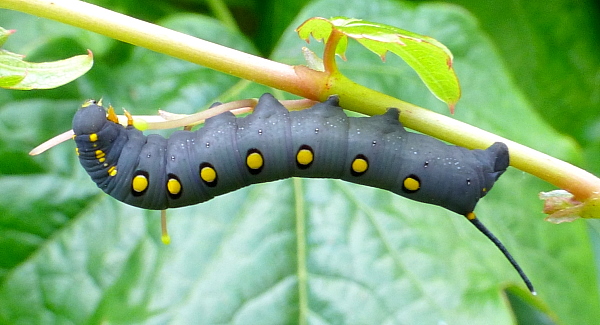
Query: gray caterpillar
point(272, 143)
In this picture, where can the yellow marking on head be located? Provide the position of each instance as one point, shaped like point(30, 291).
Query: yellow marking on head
point(112, 116)
point(208, 174)
point(129, 118)
point(411, 184)
point(360, 165)
point(254, 160)
point(93, 137)
point(112, 171)
point(100, 154)
point(173, 186)
point(139, 183)
point(470, 216)
point(304, 157)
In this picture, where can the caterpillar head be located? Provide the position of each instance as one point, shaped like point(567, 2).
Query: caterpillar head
point(90, 118)
point(489, 165)
point(454, 179)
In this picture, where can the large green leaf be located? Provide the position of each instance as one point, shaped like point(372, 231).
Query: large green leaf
point(551, 50)
point(320, 250)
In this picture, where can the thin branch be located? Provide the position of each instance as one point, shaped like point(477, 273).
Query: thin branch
point(176, 44)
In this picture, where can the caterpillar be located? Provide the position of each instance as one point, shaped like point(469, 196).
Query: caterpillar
point(228, 153)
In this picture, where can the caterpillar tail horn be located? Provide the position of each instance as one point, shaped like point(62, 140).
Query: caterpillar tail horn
point(473, 219)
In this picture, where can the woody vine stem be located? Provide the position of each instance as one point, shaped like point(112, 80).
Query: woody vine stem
point(304, 82)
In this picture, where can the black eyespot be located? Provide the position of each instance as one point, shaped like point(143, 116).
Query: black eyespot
point(304, 157)
point(140, 182)
point(411, 183)
point(254, 161)
point(208, 174)
point(174, 186)
point(359, 166)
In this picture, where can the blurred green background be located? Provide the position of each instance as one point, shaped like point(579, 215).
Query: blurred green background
point(320, 251)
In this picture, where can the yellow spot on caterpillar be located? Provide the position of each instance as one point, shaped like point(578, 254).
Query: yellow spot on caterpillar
point(77, 151)
point(484, 189)
point(360, 165)
point(471, 216)
point(112, 171)
point(208, 174)
point(112, 116)
point(102, 159)
point(93, 137)
point(304, 157)
point(173, 186)
point(74, 136)
point(100, 154)
point(254, 160)
point(411, 184)
point(139, 183)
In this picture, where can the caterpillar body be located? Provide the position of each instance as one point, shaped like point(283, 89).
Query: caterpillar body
point(272, 143)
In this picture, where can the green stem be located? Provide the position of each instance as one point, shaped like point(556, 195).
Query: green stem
point(303, 82)
point(582, 184)
point(179, 45)
point(329, 62)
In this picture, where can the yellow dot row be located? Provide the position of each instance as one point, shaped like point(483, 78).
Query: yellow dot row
point(99, 154)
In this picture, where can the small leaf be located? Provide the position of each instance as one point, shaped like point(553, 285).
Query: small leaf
point(43, 75)
point(429, 58)
point(4, 34)
point(561, 206)
point(10, 81)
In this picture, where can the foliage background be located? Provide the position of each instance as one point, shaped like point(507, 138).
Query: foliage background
point(294, 250)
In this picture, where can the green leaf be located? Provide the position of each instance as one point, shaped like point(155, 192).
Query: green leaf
point(4, 34)
point(550, 43)
point(10, 81)
point(44, 75)
point(429, 58)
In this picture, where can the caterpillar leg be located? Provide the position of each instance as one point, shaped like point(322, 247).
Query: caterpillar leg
point(473, 219)
point(166, 239)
